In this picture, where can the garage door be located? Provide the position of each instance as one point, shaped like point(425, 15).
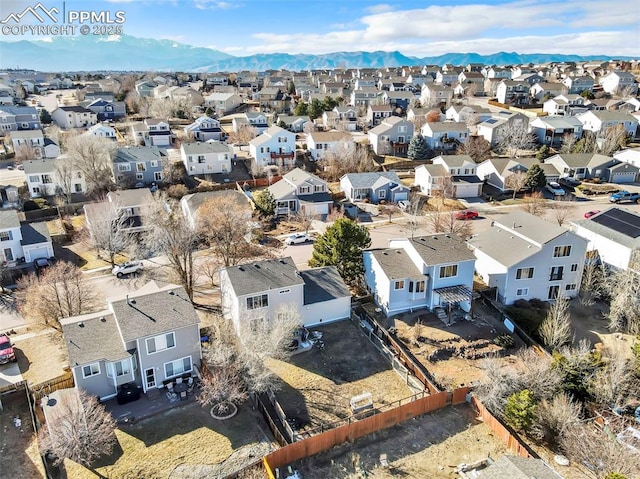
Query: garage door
point(626, 177)
point(36, 253)
point(402, 195)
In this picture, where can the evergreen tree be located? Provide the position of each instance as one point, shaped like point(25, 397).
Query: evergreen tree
point(265, 202)
point(302, 109)
point(210, 112)
point(315, 109)
point(520, 409)
point(341, 245)
point(45, 117)
point(418, 148)
point(543, 153)
point(535, 177)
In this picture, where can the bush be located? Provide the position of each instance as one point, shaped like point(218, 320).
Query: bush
point(504, 341)
point(520, 409)
point(177, 191)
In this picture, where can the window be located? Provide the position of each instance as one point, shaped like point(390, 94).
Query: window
point(256, 302)
point(119, 368)
point(190, 159)
point(201, 159)
point(161, 343)
point(305, 190)
point(522, 291)
point(570, 287)
point(284, 291)
point(560, 251)
point(574, 267)
point(556, 273)
point(6, 236)
point(179, 366)
point(382, 194)
point(524, 273)
point(318, 188)
point(157, 176)
point(399, 285)
point(416, 286)
point(154, 164)
point(47, 179)
point(34, 178)
point(449, 271)
point(402, 129)
point(139, 176)
point(89, 370)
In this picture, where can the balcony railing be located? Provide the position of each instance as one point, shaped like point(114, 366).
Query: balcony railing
point(282, 156)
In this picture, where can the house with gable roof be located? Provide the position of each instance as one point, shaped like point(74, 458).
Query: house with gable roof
point(205, 128)
point(422, 272)
point(206, 157)
point(152, 132)
point(68, 117)
point(50, 176)
point(593, 165)
point(276, 146)
point(20, 240)
point(619, 81)
point(551, 130)
point(299, 190)
point(258, 291)
point(445, 135)
point(391, 136)
point(256, 120)
point(495, 171)
point(524, 257)
point(598, 121)
point(138, 165)
point(321, 143)
point(147, 337)
point(374, 186)
point(454, 175)
point(222, 103)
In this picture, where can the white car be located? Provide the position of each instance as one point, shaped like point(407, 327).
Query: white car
point(555, 189)
point(403, 204)
point(298, 238)
point(127, 268)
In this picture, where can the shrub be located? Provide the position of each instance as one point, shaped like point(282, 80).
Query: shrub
point(520, 409)
point(177, 191)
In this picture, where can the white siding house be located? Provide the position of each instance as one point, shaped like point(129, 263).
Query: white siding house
point(206, 158)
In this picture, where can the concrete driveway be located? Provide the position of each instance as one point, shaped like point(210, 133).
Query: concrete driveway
point(9, 374)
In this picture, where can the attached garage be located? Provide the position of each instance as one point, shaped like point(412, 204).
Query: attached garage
point(36, 253)
point(36, 241)
point(623, 173)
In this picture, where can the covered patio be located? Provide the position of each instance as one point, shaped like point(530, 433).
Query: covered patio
point(454, 303)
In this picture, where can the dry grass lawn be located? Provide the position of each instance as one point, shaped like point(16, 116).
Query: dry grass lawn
point(42, 357)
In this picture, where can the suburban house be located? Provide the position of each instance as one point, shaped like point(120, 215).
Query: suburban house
point(377, 113)
point(147, 337)
point(206, 158)
point(67, 117)
point(321, 143)
point(260, 291)
point(614, 233)
point(258, 121)
point(28, 143)
point(524, 257)
point(341, 117)
point(189, 204)
point(493, 129)
point(294, 123)
point(204, 128)
point(619, 82)
point(578, 84)
point(513, 92)
point(222, 103)
point(552, 130)
point(363, 96)
point(445, 135)
point(138, 165)
point(106, 110)
point(102, 130)
point(299, 190)
point(273, 99)
point(454, 176)
point(564, 105)
point(593, 165)
point(495, 171)
point(132, 203)
point(15, 118)
point(629, 155)
point(467, 113)
point(22, 240)
point(276, 146)
point(391, 136)
point(422, 272)
point(53, 176)
point(374, 186)
point(599, 121)
point(398, 99)
point(144, 88)
point(152, 132)
point(436, 94)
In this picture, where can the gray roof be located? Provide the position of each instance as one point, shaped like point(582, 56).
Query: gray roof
point(35, 233)
point(26, 134)
point(147, 314)
point(530, 226)
point(446, 126)
point(298, 176)
point(513, 467)
point(130, 198)
point(323, 284)
point(261, 276)
point(583, 160)
point(435, 170)
point(45, 165)
point(456, 161)
point(206, 147)
point(396, 263)
point(139, 153)
point(93, 337)
point(441, 249)
point(9, 219)
point(368, 180)
point(610, 232)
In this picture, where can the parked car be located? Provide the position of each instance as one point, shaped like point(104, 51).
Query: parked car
point(466, 215)
point(624, 196)
point(127, 268)
point(6, 350)
point(403, 204)
point(298, 238)
point(569, 182)
point(41, 264)
point(555, 189)
point(591, 213)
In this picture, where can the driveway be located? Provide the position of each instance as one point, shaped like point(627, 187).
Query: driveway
point(9, 374)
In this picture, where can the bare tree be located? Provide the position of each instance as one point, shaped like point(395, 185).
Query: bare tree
point(305, 218)
point(348, 157)
point(555, 330)
point(63, 168)
point(623, 287)
point(569, 141)
point(443, 220)
point(561, 209)
point(389, 210)
point(555, 417)
point(434, 115)
point(171, 236)
point(109, 228)
point(244, 135)
point(515, 138)
point(516, 182)
point(593, 280)
point(222, 386)
point(211, 269)
point(613, 139)
point(616, 383)
point(25, 152)
point(415, 211)
point(91, 155)
point(502, 381)
point(533, 203)
point(476, 147)
point(79, 428)
point(60, 291)
point(163, 108)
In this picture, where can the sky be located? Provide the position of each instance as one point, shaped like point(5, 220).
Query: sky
point(414, 28)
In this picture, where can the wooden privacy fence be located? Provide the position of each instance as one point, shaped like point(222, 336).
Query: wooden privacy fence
point(354, 430)
point(61, 382)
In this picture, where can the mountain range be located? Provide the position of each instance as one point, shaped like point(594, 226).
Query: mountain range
point(129, 53)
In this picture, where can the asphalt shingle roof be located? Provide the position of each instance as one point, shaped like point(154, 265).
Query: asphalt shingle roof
point(9, 219)
point(323, 284)
point(264, 275)
point(34, 233)
point(367, 180)
point(441, 249)
point(513, 467)
point(93, 337)
point(396, 263)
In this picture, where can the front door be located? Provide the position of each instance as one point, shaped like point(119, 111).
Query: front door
point(8, 254)
point(150, 378)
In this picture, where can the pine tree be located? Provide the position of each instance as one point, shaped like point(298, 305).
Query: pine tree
point(45, 117)
point(265, 202)
point(535, 177)
point(418, 148)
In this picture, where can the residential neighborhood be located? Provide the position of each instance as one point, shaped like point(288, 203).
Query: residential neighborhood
point(283, 265)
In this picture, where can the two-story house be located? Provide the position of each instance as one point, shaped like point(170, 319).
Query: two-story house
point(147, 337)
point(204, 128)
point(619, 82)
point(578, 84)
point(106, 110)
point(138, 165)
point(344, 118)
point(144, 88)
point(133, 204)
point(362, 97)
point(259, 291)
point(152, 132)
point(322, 143)
point(276, 146)
point(493, 129)
point(391, 137)
point(422, 272)
point(598, 121)
point(22, 240)
point(53, 176)
point(467, 114)
point(256, 120)
point(454, 176)
point(436, 94)
point(374, 186)
point(15, 118)
point(564, 105)
point(495, 171)
point(190, 204)
point(206, 158)
point(445, 135)
point(294, 123)
point(222, 103)
point(377, 113)
point(553, 130)
point(593, 165)
point(513, 92)
point(68, 117)
point(299, 190)
point(524, 257)
point(28, 143)
point(273, 99)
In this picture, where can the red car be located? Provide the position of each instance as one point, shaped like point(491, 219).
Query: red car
point(589, 214)
point(466, 215)
point(6, 350)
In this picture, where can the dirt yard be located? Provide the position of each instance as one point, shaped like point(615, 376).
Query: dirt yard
point(42, 357)
point(317, 385)
point(430, 446)
point(18, 450)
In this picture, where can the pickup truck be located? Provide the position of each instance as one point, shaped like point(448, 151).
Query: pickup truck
point(625, 197)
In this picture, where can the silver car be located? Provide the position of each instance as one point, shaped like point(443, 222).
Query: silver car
point(127, 268)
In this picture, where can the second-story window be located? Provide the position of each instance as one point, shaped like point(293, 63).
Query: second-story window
point(161, 343)
point(257, 302)
point(561, 251)
point(5, 235)
point(449, 271)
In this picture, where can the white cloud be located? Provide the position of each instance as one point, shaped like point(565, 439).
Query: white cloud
point(214, 5)
point(381, 8)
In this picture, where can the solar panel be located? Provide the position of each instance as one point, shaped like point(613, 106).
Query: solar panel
point(619, 220)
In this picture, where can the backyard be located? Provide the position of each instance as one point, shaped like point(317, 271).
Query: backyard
point(317, 385)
